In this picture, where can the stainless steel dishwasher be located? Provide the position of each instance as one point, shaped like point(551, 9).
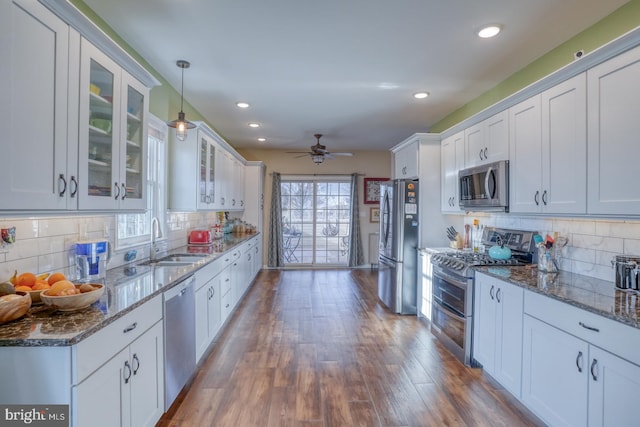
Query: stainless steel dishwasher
point(179, 338)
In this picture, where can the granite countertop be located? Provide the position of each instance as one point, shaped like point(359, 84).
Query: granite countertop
point(591, 294)
point(127, 287)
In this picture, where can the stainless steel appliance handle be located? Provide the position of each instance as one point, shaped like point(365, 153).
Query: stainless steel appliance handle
point(450, 313)
point(449, 278)
point(386, 210)
point(491, 175)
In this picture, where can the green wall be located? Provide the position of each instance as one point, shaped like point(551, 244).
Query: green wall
point(616, 24)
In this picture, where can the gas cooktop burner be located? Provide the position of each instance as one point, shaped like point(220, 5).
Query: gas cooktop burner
point(520, 242)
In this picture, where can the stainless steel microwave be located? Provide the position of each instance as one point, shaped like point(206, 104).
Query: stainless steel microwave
point(485, 187)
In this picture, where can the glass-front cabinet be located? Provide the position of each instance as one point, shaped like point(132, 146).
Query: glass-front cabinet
point(206, 172)
point(112, 134)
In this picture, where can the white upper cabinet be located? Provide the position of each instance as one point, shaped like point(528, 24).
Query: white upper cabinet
point(564, 147)
point(405, 161)
point(193, 171)
point(614, 126)
point(548, 151)
point(452, 160)
point(112, 153)
point(487, 141)
point(36, 172)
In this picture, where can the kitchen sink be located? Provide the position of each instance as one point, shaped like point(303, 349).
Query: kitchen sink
point(176, 259)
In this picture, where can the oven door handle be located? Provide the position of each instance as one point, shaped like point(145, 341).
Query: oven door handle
point(448, 311)
point(449, 278)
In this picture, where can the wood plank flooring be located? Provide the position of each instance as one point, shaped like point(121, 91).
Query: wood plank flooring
point(317, 348)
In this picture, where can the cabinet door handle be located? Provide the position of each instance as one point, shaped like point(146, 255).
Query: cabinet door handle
point(124, 191)
point(480, 154)
point(535, 198)
point(579, 361)
point(74, 181)
point(498, 294)
point(485, 153)
point(544, 197)
point(136, 365)
point(213, 292)
point(594, 365)
point(117, 190)
point(126, 372)
point(131, 327)
point(591, 328)
point(491, 291)
point(64, 185)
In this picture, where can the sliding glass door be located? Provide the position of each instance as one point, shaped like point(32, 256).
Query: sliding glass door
point(315, 220)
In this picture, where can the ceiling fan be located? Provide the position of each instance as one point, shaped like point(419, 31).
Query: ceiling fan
point(318, 152)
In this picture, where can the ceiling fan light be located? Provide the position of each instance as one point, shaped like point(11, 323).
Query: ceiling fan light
point(317, 159)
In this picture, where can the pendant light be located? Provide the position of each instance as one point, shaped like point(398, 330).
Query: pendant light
point(181, 124)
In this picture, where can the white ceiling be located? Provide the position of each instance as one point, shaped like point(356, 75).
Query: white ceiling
point(343, 68)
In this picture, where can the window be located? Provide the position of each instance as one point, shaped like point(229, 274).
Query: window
point(134, 228)
point(315, 220)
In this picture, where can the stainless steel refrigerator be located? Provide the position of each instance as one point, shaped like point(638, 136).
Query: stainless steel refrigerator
point(397, 261)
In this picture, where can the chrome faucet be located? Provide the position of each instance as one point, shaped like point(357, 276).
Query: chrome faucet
point(156, 233)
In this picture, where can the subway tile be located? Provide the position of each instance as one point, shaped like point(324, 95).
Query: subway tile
point(22, 249)
point(51, 244)
point(602, 243)
point(581, 254)
point(57, 227)
point(20, 265)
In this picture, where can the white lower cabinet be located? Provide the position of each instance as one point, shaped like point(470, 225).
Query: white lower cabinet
point(498, 330)
point(208, 319)
point(554, 377)
point(128, 390)
point(570, 374)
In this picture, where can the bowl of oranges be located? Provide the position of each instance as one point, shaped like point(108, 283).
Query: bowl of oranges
point(65, 296)
point(35, 284)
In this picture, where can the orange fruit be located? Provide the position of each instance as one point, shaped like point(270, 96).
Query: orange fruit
point(58, 287)
point(24, 288)
point(41, 285)
point(26, 279)
point(56, 277)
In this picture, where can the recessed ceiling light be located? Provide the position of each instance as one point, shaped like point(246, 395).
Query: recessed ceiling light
point(241, 104)
point(262, 139)
point(420, 95)
point(489, 31)
point(254, 125)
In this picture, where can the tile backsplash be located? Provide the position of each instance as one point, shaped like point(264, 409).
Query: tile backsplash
point(45, 244)
point(592, 243)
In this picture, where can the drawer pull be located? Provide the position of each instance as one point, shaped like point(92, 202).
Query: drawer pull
point(594, 364)
point(579, 361)
point(130, 327)
point(591, 328)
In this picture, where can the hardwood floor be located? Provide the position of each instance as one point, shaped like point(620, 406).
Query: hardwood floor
point(318, 348)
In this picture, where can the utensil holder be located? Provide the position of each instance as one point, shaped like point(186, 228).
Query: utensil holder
point(547, 259)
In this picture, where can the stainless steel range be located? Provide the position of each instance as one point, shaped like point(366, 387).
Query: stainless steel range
point(453, 277)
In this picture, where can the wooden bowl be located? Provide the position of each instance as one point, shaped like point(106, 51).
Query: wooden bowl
point(14, 306)
point(73, 302)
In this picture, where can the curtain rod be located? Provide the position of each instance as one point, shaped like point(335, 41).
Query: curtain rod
point(320, 174)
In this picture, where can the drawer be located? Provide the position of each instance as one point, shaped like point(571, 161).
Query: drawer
point(209, 271)
point(612, 336)
point(225, 281)
point(95, 350)
point(226, 305)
